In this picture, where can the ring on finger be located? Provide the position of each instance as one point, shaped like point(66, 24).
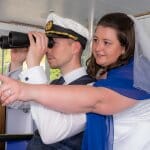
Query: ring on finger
point(9, 92)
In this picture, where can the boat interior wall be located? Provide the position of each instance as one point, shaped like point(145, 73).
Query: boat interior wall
point(30, 15)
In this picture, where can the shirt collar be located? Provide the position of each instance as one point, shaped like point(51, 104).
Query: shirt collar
point(75, 74)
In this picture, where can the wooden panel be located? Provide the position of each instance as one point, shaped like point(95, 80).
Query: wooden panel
point(2, 125)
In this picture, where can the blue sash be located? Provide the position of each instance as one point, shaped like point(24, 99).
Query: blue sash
point(99, 128)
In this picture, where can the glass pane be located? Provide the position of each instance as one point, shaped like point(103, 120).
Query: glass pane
point(54, 74)
point(4, 60)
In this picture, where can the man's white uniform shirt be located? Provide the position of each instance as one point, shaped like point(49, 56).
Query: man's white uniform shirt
point(54, 126)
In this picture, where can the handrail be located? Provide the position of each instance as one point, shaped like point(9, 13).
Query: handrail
point(14, 137)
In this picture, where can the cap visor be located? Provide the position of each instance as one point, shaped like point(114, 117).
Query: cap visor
point(56, 36)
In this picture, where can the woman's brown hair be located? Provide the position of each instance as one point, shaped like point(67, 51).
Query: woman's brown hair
point(126, 36)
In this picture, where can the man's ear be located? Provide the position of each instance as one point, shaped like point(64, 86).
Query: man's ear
point(77, 47)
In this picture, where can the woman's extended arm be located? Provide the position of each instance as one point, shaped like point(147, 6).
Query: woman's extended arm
point(68, 99)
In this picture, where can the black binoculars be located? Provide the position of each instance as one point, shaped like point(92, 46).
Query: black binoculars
point(19, 40)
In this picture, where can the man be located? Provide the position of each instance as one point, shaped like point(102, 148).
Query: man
point(69, 40)
point(18, 56)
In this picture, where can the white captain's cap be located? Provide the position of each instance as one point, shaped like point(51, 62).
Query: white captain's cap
point(57, 26)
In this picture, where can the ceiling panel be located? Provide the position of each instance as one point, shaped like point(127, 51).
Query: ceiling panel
point(35, 11)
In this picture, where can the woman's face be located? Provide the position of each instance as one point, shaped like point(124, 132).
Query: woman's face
point(106, 47)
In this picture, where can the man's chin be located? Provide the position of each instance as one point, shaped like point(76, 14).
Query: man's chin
point(53, 67)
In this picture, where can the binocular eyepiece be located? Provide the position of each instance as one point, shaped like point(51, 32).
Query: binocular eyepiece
point(19, 40)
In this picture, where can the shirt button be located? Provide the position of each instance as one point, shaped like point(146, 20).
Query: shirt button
point(26, 78)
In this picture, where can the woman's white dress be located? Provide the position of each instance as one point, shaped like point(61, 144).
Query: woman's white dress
point(132, 128)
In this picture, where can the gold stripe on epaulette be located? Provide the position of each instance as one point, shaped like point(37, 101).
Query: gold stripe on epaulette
point(63, 33)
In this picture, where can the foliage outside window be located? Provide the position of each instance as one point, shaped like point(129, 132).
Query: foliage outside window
point(6, 60)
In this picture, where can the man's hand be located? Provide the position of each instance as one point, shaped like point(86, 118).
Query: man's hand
point(37, 49)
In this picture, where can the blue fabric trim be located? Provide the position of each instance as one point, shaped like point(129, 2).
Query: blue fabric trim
point(99, 130)
point(121, 81)
point(99, 133)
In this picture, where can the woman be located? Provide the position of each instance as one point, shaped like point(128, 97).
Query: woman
point(112, 64)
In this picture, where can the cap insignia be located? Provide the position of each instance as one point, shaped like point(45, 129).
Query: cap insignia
point(48, 25)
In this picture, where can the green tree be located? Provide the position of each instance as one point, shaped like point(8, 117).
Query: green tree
point(6, 57)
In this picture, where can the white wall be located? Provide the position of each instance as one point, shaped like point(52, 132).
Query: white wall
point(145, 20)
